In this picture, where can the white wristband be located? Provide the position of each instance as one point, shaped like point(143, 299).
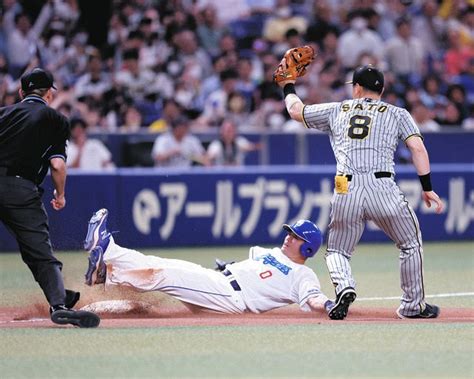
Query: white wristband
point(291, 100)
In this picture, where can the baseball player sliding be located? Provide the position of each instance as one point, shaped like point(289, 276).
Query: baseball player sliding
point(364, 133)
point(268, 279)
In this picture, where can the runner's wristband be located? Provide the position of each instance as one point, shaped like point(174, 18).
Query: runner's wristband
point(426, 182)
point(288, 89)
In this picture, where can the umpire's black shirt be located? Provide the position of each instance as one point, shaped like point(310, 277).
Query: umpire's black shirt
point(31, 133)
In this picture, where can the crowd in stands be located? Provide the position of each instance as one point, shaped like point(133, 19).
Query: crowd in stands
point(210, 61)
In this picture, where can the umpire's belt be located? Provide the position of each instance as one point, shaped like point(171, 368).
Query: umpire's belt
point(378, 175)
point(233, 282)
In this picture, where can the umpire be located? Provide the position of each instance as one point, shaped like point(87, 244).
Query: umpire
point(33, 139)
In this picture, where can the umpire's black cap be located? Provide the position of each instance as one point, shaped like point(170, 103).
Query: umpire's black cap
point(37, 78)
point(368, 77)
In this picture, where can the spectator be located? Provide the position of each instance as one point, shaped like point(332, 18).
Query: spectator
point(269, 115)
point(171, 111)
point(431, 93)
point(429, 27)
point(54, 50)
point(75, 60)
point(215, 106)
point(328, 49)
point(141, 81)
point(424, 118)
point(118, 31)
point(463, 22)
point(209, 31)
point(292, 39)
point(7, 83)
point(466, 81)
point(85, 153)
point(132, 120)
point(322, 24)
point(21, 37)
point(213, 82)
point(134, 41)
point(468, 123)
point(175, 17)
point(329, 87)
point(405, 53)
point(457, 56)
point(283, 20)
point(65, 109)
point(227, 44)
point(457, 94)
point(237, 110)
point(95, 82)
point(227, 10)
point(245, 84)
point(164, 34)
point(178, 148)
point(450, 115)
point(359, 39)
point(190, 55)
point(267, 88)
point(229, 149)
point(154, 51)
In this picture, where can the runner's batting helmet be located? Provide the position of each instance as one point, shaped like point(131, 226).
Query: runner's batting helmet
point(309, 233)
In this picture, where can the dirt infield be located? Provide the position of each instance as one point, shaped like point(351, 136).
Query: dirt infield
point(181, 316)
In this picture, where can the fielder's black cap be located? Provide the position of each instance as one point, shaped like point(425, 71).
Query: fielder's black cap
point(37, 78)
point(368, 77)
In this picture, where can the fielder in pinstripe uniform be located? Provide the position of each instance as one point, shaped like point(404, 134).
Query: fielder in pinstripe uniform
point(364, 133)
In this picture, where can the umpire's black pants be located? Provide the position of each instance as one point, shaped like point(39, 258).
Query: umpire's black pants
point(23, 213)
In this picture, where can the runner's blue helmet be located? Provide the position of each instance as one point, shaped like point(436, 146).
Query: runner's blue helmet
point(309, 233)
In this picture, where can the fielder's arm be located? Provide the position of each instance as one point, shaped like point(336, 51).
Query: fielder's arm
point(293, 103)
point(422, 164)
point(292, 66)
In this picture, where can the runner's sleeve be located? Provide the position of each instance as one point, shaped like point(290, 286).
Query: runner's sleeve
point(308, 287)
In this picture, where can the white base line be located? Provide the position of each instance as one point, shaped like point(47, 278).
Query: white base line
point(459, 294)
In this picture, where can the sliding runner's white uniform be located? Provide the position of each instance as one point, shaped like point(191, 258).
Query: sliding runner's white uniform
point(268, 279)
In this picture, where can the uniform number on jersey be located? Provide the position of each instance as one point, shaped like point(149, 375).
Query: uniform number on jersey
point(265, 274)
point(359, 127)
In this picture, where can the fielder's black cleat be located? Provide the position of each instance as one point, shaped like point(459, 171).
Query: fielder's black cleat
point(83, 319)
point(430, 311)
point(343, 300)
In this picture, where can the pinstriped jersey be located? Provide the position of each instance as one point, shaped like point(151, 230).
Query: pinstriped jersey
point(364, 133)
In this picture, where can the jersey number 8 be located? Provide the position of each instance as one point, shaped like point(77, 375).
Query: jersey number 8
point(359, 127)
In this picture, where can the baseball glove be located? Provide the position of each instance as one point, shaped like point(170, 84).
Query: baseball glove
point(294, 63)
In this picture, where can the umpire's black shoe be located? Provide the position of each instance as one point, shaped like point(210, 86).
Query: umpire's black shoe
point(83, 319)
point(343, 300)
point(430, 311)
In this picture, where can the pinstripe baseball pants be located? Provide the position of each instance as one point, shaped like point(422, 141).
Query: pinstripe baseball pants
point(381, 201)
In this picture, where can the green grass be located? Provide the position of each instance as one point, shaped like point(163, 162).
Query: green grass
point(370, 350)
point(361, 351)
